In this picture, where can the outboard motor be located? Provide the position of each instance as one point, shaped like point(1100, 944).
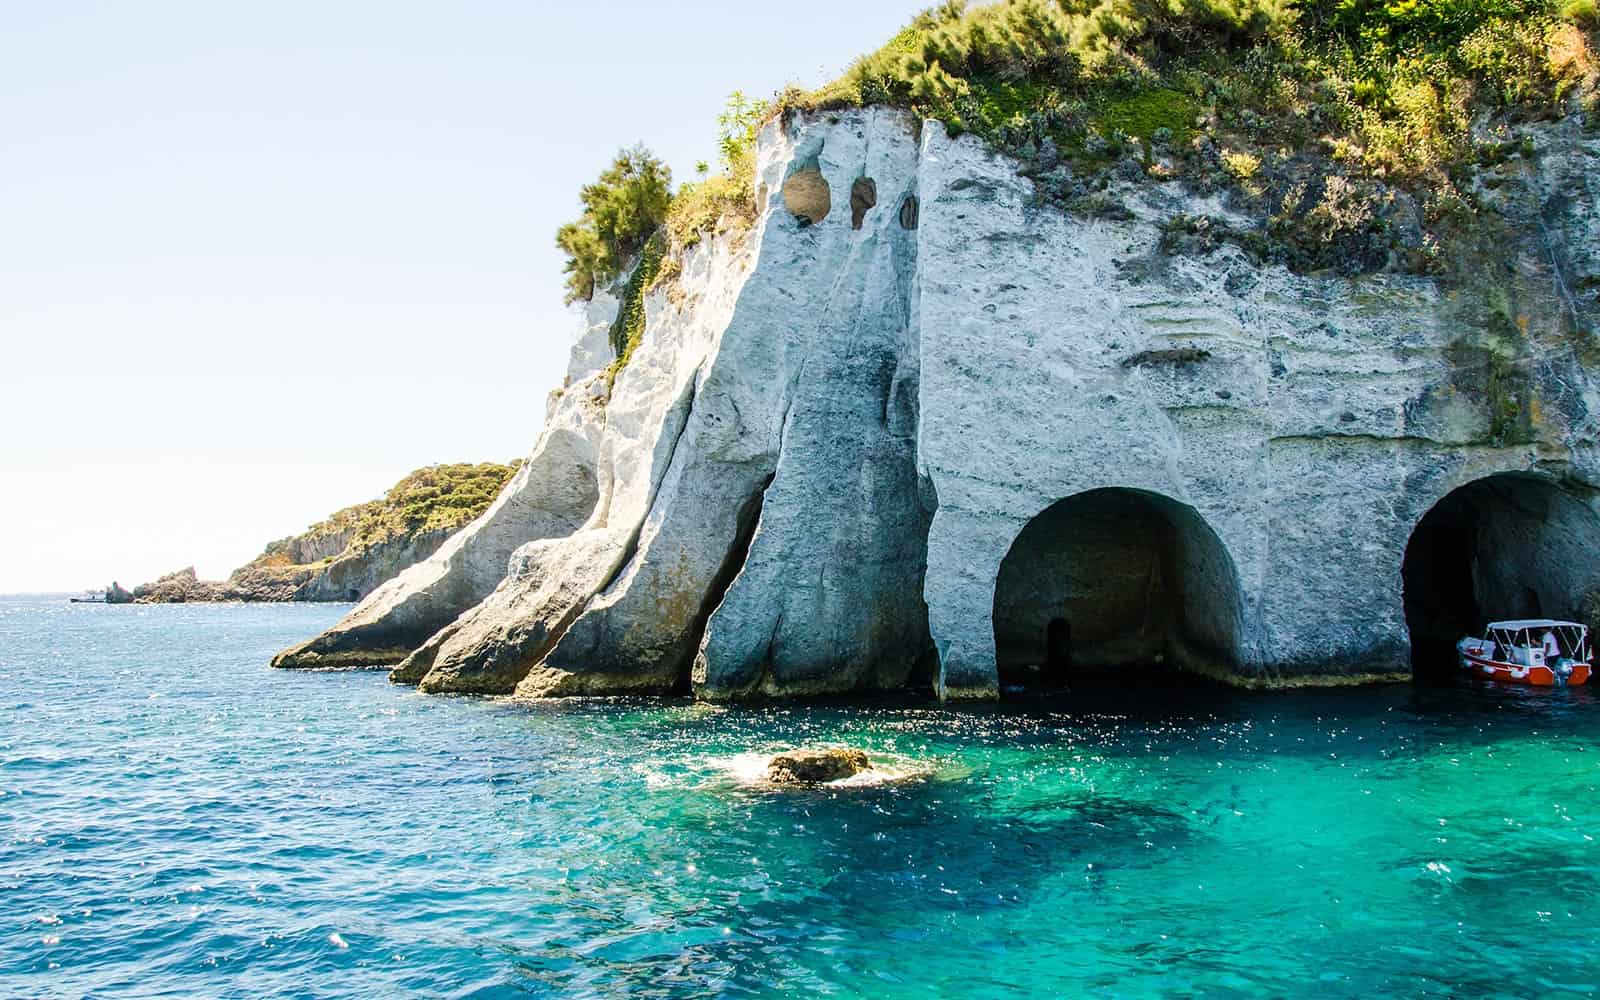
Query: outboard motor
point(1563, 670)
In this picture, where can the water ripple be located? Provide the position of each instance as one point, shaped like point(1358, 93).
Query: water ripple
point(175, 819)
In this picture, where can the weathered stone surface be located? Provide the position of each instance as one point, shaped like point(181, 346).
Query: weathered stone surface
point(178, 587)
point(839, 452)
point(1328, 414)
point(806, 195)
point(815, 767)
point(352, 575)
point(829, 597)
point(249, 583)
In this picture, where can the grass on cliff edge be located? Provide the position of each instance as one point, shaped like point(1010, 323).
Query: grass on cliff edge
point(635, 228)
point(433, 498)
point(1390, 84)
point(1384, 90)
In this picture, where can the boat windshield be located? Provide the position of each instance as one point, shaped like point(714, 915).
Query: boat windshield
point(1570, 639)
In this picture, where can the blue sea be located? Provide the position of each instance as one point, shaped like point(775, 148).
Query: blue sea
point(178, 820)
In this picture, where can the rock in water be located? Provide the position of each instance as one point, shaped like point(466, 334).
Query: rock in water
point(813, 767)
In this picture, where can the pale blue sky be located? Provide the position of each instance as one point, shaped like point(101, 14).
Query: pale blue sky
point(259, 260)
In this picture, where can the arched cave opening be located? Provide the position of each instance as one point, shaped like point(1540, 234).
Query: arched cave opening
point(1507, 546)
point(1115, 587)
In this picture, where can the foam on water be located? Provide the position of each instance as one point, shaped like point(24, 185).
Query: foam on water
point(251, 833)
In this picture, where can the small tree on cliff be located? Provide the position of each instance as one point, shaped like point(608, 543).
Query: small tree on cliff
point(621, 209)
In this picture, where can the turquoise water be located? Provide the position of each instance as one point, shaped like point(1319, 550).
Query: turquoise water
point(178, 820)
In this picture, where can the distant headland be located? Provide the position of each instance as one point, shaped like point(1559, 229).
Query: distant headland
point(347, 555)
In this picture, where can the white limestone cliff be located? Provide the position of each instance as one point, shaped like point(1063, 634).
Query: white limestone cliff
point(919, 426)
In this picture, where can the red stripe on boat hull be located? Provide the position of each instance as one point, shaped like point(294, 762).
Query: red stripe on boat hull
point(1512, 673)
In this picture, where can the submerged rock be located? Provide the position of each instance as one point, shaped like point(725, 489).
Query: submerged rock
point(813, 767)
point(958, 434)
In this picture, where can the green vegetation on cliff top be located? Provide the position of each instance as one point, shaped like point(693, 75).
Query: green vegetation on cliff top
point(631, 214)
point(433, 498)
point(1312, 110)
point(1391, 84)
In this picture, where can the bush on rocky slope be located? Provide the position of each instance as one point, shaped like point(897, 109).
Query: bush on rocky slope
point(433, 498)
point(621, 210)
point(415, 515)
point(1392, 84)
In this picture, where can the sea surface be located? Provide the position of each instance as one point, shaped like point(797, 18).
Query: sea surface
point(178, 820)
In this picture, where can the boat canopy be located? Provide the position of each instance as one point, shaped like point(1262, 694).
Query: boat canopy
point(1531, 623)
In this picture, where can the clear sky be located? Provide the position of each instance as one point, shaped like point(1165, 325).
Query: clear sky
point(258, 261)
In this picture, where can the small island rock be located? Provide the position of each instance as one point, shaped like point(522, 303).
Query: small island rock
point(810, 767)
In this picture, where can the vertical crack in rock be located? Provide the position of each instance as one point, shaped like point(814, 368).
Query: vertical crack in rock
point(1558, 274)
point(910, 212)
point(749, 520)
point(681, 412)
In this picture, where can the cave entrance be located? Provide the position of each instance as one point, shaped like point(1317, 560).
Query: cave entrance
point(1507, 546)
point(1114, 587)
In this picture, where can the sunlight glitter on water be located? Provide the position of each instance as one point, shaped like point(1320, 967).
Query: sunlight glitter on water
point(254, 833)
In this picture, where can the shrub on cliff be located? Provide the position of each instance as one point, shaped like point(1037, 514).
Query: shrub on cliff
point(435, 498)
point(633, 223)
point(730, 193)
point(621, 210)
point(1392, 83)
point(432, 498)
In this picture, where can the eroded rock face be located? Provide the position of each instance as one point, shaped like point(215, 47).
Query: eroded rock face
point(849, 458)
point(815, 767)
point(1308, 420)
point(807, 196)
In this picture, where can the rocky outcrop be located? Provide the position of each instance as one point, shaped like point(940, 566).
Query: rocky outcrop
point(179, 587)
point(815, 767)
point(922, 425)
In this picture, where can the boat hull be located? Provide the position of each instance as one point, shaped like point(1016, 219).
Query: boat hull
point(1515, 673)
